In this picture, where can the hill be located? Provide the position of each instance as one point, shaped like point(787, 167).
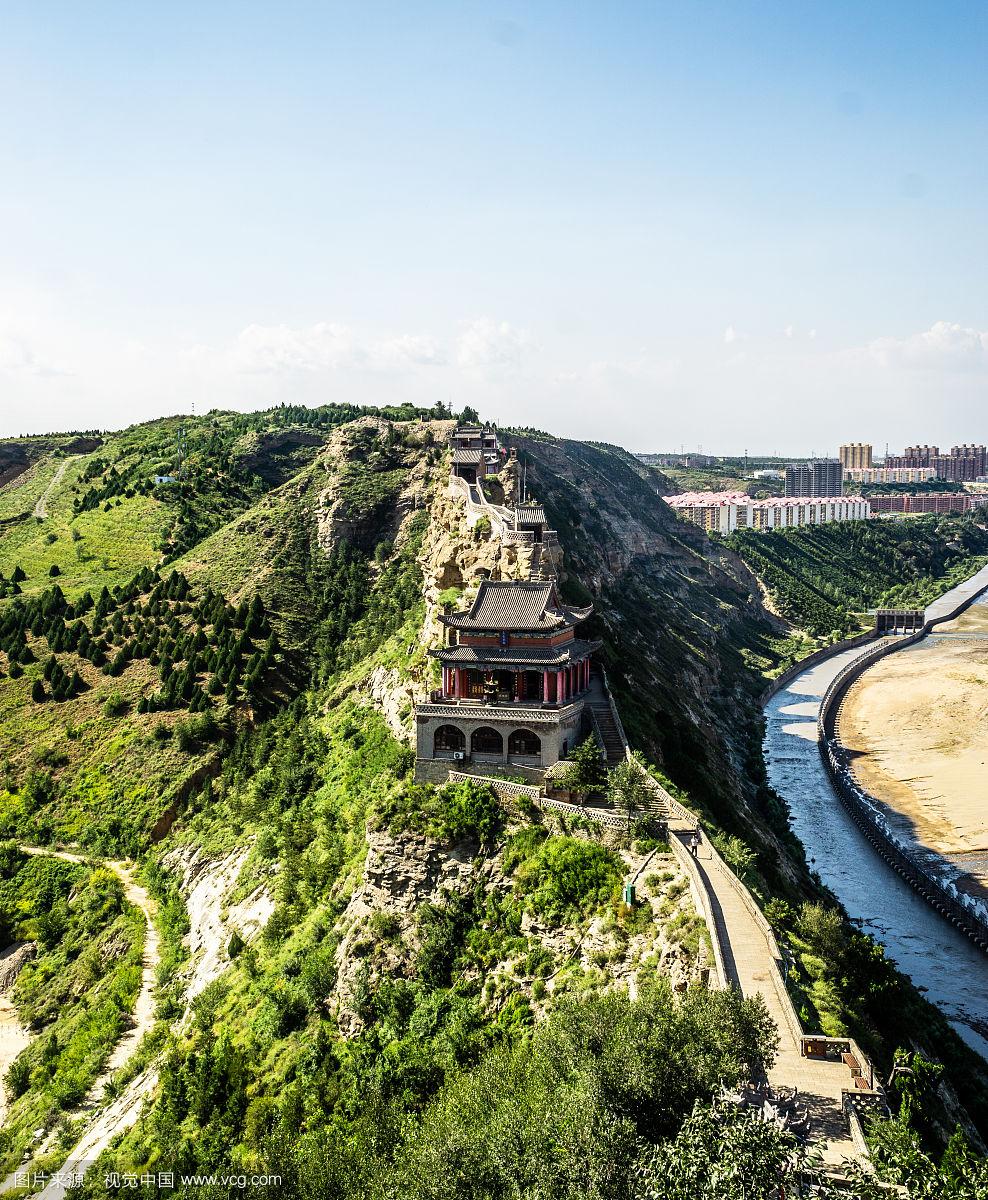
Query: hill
point(824, 578)
point(377, 986)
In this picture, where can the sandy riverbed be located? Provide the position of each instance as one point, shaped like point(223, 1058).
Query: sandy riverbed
point(919, 722)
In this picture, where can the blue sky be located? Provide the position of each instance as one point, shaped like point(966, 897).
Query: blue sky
point(724, 225)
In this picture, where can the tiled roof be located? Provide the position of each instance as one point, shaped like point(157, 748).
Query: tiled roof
point(530, 514)
point(467, 456)
point(523, 656)
point(506, 604)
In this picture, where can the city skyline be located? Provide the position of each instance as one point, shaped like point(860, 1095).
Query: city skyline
point(732, 225)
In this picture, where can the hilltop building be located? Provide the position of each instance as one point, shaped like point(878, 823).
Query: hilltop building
point(476, 450)
point(855, 455)
point(824, 477)
point(724, 512)
point(515, 683)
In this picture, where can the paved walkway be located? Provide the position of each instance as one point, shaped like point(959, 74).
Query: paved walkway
point(750, 965)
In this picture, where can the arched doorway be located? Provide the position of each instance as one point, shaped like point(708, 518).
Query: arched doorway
point(448, 740)
point(486, 743)
point(524, 744)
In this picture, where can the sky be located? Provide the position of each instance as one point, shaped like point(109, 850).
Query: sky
point(724, 226)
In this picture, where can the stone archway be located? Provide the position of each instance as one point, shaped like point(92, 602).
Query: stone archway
point(524, 744)
point(448, 740)
point(486, 742)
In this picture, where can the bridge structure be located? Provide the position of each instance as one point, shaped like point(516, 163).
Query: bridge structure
point(899, 621)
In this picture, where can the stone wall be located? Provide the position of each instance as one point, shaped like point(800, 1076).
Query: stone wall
point(559, 732)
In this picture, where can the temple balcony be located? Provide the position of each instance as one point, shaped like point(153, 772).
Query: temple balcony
point(518, 710)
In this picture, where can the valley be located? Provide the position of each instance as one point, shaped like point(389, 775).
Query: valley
point(215, 638)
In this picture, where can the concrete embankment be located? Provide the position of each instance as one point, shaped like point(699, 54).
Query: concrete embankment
point(939, 959)
point(928, 873)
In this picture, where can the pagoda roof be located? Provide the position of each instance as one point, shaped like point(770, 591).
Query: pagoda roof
point(522, 656)
point(520, 605)
point(467, 456)
point(530, 514)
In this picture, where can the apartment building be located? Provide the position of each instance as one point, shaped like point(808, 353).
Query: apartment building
point(824, 477)
point(724, 512)
point(855, 456)
point(889, 474)
point(963, 464)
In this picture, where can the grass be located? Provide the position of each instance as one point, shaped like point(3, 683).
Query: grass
point(75, 995)
point(75, 773)
point(93, 549)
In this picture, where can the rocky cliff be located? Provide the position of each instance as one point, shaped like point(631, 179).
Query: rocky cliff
point(684, 626)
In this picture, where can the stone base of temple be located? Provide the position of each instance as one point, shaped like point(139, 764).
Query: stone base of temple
point(495, 739)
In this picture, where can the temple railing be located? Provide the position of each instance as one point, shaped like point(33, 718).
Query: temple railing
point(600, 816)
point(504, 787)
point(470, 710)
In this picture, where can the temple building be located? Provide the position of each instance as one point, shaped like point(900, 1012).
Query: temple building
point(515, 680)
point(475, 451)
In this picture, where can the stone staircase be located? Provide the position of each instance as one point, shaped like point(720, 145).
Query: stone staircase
point(606, 726)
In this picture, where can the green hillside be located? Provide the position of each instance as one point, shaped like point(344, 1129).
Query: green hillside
point(388, 988)
point(824, 578)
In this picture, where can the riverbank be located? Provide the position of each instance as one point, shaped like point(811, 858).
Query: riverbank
point(916, 724)
point(938, 958)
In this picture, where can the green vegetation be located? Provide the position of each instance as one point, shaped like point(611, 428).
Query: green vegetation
point(561, 878)
point(823, 577)
point(74, 995)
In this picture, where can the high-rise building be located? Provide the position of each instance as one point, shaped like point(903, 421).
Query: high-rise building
point(824, 477)
point(961, 465)
point(855, 455)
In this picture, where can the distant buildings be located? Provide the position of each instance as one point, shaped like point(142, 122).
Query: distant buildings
point(724, 512)
point(929, 502)
point(855, 456)
point(889, 474)
point(823, 477)
point(963, 463)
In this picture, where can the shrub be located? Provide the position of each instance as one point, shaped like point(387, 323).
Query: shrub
point(115, 705)
point(468, 809)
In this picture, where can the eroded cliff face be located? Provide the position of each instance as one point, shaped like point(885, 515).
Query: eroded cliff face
point(372, 476)
point(382, 934)
point(683, 622)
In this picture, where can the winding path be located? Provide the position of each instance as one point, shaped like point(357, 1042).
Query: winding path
point(99, 1131)
point(41, 508)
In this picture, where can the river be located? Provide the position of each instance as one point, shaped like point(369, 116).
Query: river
point(941, 961)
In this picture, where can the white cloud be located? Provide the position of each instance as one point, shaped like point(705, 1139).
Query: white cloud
point(944, 346)
point(485, 343)
point(788, 332)
point(328, 346)
point(730, 334)
point(18, 357)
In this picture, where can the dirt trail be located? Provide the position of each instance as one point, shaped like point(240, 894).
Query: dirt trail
point(94, 1137)
point(13, 1036)
point(41, 508)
